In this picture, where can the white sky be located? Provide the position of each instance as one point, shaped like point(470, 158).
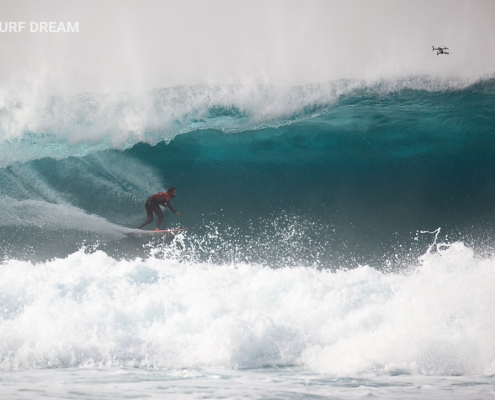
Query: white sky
point(129, 45)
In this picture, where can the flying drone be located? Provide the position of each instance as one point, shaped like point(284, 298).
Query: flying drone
point(440, 50)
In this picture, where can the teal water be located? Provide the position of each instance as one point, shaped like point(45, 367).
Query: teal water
point(312, 174)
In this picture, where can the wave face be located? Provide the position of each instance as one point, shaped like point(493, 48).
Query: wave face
point(325, 175)
point(345, 227)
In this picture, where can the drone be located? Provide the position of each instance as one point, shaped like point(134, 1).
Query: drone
point(440, 50)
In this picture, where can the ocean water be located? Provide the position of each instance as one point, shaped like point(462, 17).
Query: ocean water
point(340, 242)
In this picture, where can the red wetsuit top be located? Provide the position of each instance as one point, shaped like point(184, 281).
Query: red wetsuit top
point(163, 198)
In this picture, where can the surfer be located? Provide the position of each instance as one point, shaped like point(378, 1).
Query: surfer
point(153, 204)
point(440, 50)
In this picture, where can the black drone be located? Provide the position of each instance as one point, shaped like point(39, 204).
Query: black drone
point(440, 50)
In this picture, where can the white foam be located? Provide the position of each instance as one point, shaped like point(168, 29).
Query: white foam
point(90, 309)
point(435, 320)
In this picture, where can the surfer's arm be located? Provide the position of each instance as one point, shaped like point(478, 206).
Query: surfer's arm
point(171, 208)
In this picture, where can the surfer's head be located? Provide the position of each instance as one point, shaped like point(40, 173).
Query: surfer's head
point(172, 191)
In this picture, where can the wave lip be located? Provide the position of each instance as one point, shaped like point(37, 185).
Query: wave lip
point(33, 127)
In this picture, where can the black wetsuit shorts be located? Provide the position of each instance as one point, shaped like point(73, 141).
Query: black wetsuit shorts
point(152, 206)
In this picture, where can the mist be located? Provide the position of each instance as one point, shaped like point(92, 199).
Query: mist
point(138, 46)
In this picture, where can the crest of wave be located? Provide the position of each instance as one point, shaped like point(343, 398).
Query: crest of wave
point(34, 125)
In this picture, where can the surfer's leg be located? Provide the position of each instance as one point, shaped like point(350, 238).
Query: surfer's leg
point(149, 214)
point(158, 211)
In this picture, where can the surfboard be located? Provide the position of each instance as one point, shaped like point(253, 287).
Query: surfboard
point(174, 231)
